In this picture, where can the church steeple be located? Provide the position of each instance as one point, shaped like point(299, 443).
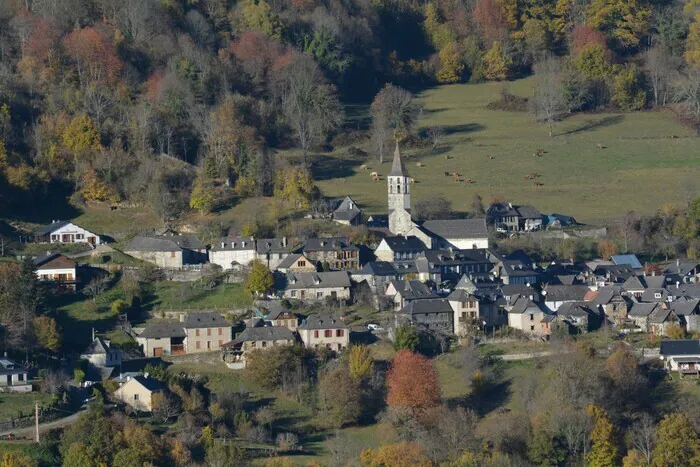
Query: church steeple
point(397, 167)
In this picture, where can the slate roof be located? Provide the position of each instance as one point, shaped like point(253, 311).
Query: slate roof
point(634, 283)
point(685, 307)
point(432, 305)
point(325, 321)
point(205, 319)
point(317, 280)
point(328, 244)
point(457, 228)
point(289, 261)
point(344, 212)
point(400, 244)
point(234, 244)
point(559, 293)
point(574, 309)
point(461, 295)
point(10, 367)
point(398, 169)
point(529, 212)
point(267, 333)
point(405, 267)
point(149, 383)
point(680, 347)
point(164, 243)
point(162, 330)
point(649, 295)
point(523, 290)
point(605, 295)
point(525, 305)
point(47, 229)
point(629, 260)
point(412, 289)
point(659, 315)
point(683, 269)
point(378, 268)
point(466, 283)
point(641, 310)
point(97, 347)
point(655, 282)
point(272, 245)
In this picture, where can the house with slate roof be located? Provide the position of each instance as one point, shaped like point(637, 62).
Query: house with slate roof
point(66, 232)
point(579, 315)
point(138, 392)
point(460, 234)
point(233, 252)
point(314, 285)
point(197, 332)
point(432, 314)
point(529, 317)
point(347, 212)
point(337, 252)
point(102, 358)
point(640, 314)
point(683, 273)
point(13, 376)
point(168, 251)
point(514, 218)
point(377, 274)
point(682, 356)
point(402, 292)
point(271, 251)
point(297, 262)
point(399, 248)
point(324, 330)
point(688, 312)
point(255, 338)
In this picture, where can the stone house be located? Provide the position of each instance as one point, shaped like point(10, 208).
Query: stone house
point(433, 314)
point(255, 338)
point(640, 313)
point(318, 330)
point(347, 212)
point(168, 251)
point(529, 317)
point(514, 218)
point(315, 285)
point(399, 248)
point(377, 274)
point(102, 358)
point(611, 302)
point(283, 318)
point(162, 339)
point(271, 251)
point(556, 295)
point(296, 262)
point(232, 252)
point(660, 319)
point(474, 312)
point(579, 315)
point(337, 252)
point(688, 311)
point(402, 292)
point(206, 331)
point(138, 392)
point(58, 270)
point(66, 232)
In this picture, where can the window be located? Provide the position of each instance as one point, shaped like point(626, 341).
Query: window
point(197, 344)
point(319, 294)
point(79, 236)
point(657, 294)
point(136, 397)
point(221, 331)
point(293, 293)
point(20, 377)
point(208, 331)
point(172, 254)
point(532, 328)
point(328, 333)
point(532, 317)
point(339, 332)
point(220, 342)
point(316, 334)
point(264, 344)
point(464, 315)
point(302, 264)
point(196, 332)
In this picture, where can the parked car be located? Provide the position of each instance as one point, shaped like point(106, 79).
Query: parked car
point(374, 327)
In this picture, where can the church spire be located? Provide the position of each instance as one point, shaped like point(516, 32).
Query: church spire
point(397, 167)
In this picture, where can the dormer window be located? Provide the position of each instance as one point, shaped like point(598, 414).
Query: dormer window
point(657, 294)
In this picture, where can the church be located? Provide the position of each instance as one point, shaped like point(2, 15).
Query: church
point(458, 234)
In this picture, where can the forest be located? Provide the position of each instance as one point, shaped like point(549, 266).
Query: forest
point(179, 105)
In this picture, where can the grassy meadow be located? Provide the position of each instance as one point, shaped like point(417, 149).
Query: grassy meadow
point(648, 158)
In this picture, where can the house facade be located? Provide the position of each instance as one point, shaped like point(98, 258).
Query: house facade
point(232, 252)
point(682, 356)
point(433, 314)
point(337, 252)
point(347, 212)
point(58, 270)
point(399, 248)
point(138, 393)
point(206, 332)
point(529, 317)
point(162, 339)
point(66, 232)
point(460, 234)
point(13, 376)
point(513, 218)
point(168, 251)
point(297, 262)
point(327, 331)
point(316, 285)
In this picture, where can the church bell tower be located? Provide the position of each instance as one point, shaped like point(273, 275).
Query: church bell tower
point(399, 195)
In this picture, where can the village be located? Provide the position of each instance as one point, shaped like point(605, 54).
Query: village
point(439, 278)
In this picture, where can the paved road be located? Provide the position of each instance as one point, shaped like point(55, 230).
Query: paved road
point(28, 432)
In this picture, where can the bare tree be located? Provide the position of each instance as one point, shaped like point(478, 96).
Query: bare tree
point(548, 101)
point(166, 406)
point(659, 67)
point(688, 93)
point(95, 287)
point(435, 135)
point(627, 228)
point(393, 110)
point(310, 105)
point(643, 435)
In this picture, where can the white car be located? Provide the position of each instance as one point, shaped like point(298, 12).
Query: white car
point(501, 230)
point(373, 327)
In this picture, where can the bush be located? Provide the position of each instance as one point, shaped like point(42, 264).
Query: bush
point(509, 102)
point(287, 442)
point(78, 376)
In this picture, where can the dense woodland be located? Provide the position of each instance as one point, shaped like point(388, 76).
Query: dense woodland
point(180, 104)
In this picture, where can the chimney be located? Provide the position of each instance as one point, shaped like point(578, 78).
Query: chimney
point(284, 242)
point(182, 317)
point(145, 375)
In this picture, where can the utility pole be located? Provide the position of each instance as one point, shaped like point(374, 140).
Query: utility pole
point(36, 421)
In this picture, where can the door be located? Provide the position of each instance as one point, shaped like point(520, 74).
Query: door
point(157, 351)
point(91, 240)
point(334, 295)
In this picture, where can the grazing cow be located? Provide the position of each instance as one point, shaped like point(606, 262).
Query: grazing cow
point(534, 175)
point(468, 181)
point(490, 157)
point(447, 174)
point(674, 137)
point(364, 167)
point(528, 177)
point(600, 146)
point(538, 184)
point(374, 174)
point(418, 164)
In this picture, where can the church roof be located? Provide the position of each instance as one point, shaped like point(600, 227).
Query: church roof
point(397, 167)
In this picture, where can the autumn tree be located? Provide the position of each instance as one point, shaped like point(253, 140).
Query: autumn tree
point(435, 206)
point(604, 445)
point(677, 442)
point(47, 333)
point(394, 113)
point(692, 43)
point(642, 434)
point(95, 58)
point(490, 21)
point(404, 454)
point(452, 67)
point(339, 397)
point(548, 101)
point(659, 68)
point(295, 185)
point(360, 361)
point(202, 198)
point(259, 279)
point(606, 248)
point(497, 63)
point(412, 382)
point(626, 21)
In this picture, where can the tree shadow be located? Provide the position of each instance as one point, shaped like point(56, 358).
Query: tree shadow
point(454, 129)
point(363, 337)
point(437, 151)
point(593, 124)
point(327, 167)
point(434, 111)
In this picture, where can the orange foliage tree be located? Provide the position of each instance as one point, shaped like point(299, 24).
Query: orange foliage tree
point(490, 20)
point(402, 454)
point(94, 56)
point(413, 382)
point(582, 36)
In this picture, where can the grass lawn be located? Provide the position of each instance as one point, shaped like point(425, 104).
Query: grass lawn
point(578, 178)
point(12, 405)
point(182, 295)
point(101, 219)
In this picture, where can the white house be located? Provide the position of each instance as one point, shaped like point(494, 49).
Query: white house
point(681, 355)
point(57, 269)
point(66, 232)
point(460, 234)
point(232, 251)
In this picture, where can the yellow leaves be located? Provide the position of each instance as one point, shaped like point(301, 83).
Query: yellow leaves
point(404, 454)
point(258, 16)
point(47, 333)
point(94, 189)
point(202, 198)
point(452, 66)
point(625, 20)
point(497, 63)
point(359, 361)
point(81, 135)
point(295, 185)
point(692, 43)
